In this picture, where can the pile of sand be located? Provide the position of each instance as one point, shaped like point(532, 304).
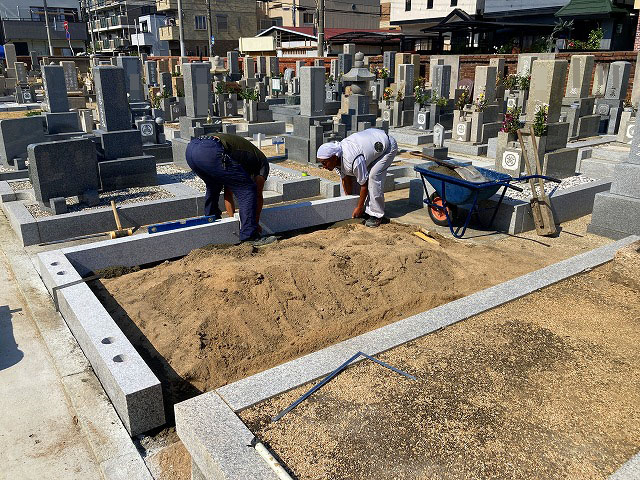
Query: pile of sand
point(221, 314)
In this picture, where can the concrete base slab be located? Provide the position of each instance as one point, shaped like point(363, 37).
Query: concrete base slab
point(466, 148)
point(411, 136)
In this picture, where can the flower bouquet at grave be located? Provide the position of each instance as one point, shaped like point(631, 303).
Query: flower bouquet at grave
point(481, 103)
point(627, 105)
point(464, 99)
point(511, 82)
point(387, 94)
point(248, 94)
point(439, 101)
point(381, 73)
point(540, 120)
point(511, 122)
point(524, 81)
point(329, 80)
point(421, 95)
point(399, 96)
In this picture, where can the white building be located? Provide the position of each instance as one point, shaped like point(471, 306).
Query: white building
point(147, 35)
point(464, 25)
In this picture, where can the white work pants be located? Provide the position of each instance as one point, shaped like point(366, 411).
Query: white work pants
point(377, 175)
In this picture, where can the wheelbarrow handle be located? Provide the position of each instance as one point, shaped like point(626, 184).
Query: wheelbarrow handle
point(517, 189)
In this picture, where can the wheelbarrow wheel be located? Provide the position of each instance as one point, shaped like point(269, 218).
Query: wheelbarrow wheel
point(438, 215)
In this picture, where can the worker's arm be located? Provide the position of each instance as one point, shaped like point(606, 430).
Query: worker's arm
point(359, 210)
point(260, 203)
point(229, 204)
point(362, 176)
point(347, 184)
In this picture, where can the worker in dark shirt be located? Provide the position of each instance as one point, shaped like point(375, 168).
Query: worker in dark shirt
point(233, 162)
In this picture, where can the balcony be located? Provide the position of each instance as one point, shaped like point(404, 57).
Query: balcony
point(120, 43)
point(118, 21)
point(169, 32)
point(166, 5)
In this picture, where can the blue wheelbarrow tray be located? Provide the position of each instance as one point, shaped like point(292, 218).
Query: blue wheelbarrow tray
point(462, 193)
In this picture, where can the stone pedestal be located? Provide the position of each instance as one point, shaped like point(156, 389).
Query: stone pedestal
point(616, 213)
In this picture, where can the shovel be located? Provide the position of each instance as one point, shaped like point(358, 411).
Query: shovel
point(466, 172)
point(540, 204)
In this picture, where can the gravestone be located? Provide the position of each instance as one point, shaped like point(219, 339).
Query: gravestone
point(65, 168)
point(616, 213)
point(70, 76)
point(35, 66)
point(547, 82)
point(21, 72)
point(55, 90)
point(233, 65)
point(345, 64)
point(132, 76)
point(312, 93)
point(349, 49)
point(111, 98)
point(15, 135)
point(318, 62)
point(197, 89)
point(164, 80)
point(600, 79)
point(151, 72)
point(249, 68)
point(10, 59)
point(618, 80)
point(389, 62)
point(580, 70)
point(441, 80)
point(485, 83)
point(273, 66)
point(261, 67)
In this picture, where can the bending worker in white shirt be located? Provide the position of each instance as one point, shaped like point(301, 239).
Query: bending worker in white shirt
point(366, 156)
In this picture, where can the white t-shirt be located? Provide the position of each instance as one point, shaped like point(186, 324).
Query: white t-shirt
point(360, 150)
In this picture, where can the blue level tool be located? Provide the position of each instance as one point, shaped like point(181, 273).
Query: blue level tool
point(189, 222)
point(334, 374)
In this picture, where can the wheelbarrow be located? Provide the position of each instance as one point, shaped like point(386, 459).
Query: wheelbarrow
point(452, 192)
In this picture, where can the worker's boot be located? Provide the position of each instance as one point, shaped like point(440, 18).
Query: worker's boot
point(373, 222)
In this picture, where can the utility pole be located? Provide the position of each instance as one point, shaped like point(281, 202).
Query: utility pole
point(46, 24)
point(293, 13)
point(320, 28)
point(209, 28)
point(183, 53)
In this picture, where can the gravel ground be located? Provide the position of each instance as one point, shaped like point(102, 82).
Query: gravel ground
point(549, 187)
point(174, 174)
point(282, 174)
point(21, 185)
point(127, 196)
point(543, 387)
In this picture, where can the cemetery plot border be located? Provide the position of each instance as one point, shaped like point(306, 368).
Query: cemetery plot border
point(187, 202)
point(217, 439)
point(131, 386)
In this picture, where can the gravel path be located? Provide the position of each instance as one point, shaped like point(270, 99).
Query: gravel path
point(126, 196)
point(21, 185)
point(173, 174)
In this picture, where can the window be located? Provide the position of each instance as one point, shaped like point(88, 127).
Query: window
point(201, 22)
point(407, 5)
point(221, 21)
point(454, 3)
point(144, 27)
point(307, 17)
point(429, 4)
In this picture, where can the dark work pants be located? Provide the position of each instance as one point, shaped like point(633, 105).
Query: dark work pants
point(206, 157)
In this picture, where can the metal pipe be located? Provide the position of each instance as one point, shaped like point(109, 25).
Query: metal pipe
point(46, 23)
point(209, 28)
point(320, 28)
point(180, 30)
point(273, 463)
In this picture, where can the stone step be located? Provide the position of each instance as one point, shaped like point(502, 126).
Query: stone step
point(401, 183)
point(271, 196)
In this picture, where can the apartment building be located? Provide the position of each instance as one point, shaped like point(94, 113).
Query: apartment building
point(230, 20)
point(113, 22)
point(22, 23)
point(147, 36)
point(356, 14)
